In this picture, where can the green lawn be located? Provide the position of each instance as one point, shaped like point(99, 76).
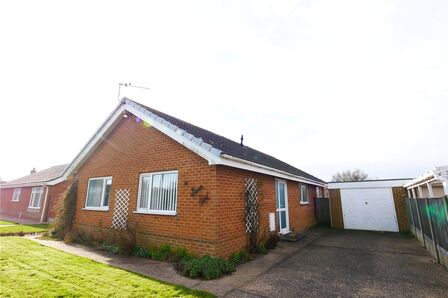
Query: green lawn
point(9, 227)
point(28, 269)
point(4, 222)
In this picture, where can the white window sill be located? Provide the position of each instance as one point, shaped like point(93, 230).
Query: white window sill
point(35, 208)
point(15, 201)
point(95, 209)
point(155, 212)
point(304, 203)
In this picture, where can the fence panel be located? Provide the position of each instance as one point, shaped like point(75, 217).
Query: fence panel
point(322, 210)
point(415, 214)
point(410, 215)
point(437, 209)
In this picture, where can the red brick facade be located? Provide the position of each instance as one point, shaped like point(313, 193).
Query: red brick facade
point(214, 227)
point(20, 209)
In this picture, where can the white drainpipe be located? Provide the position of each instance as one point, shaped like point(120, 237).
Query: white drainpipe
point(45, 203)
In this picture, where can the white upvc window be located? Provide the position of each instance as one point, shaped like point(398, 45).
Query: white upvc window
point(16, 194)
point(98, 193)
point(157, 193)
point(36, 196)
point(304, 194)
point(318, 192)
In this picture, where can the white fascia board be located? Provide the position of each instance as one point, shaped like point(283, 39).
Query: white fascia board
point(56, 181)
point(91, 145)
point(369, 184)
point(196, 145)
point(235, 162)
point(32, 184)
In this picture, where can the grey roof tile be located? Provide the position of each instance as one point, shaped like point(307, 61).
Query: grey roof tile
point(41, 176)
point(229, 147)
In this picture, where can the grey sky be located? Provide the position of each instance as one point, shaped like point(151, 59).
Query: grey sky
point(323, 85)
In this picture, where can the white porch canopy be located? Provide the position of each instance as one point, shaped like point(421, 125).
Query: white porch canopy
point(433, 183)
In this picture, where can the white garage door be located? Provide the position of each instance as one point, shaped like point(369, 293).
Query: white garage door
point(369, 209)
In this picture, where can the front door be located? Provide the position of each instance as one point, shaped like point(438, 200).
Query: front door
point(282, 206)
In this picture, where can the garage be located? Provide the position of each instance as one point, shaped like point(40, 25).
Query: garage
point(373, 205)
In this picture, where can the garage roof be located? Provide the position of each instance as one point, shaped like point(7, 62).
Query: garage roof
point(378, 183)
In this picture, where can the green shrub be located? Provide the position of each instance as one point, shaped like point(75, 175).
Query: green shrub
point(180, 253)
point(113, 248)
point(64, 220)
point(142, 252)
point(207, 267)
point(261, 249)
point(240, 257)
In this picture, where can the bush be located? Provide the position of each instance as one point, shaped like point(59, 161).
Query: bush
point(160, 253)
point(239, 257)
point(261, 249)
point(272, 241)
point(206, 267)
point(142, 252)
point(113, 248)
point(180, 253)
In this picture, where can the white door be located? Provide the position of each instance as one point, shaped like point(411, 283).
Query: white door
point(281, 192)
point(369, 209)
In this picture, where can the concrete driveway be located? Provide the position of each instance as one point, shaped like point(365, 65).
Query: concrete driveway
point(351, 264)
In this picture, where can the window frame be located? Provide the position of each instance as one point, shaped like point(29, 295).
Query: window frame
point(156, 212)
point(103, 192)
point(15, 196)
point(39, 189)
point(306, 194)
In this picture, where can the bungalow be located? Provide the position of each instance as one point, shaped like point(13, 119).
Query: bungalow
point(177, 183)
point(35, 197)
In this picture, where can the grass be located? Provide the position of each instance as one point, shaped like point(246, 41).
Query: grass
point(4, 222)
point(11, 228)
point(28, 269)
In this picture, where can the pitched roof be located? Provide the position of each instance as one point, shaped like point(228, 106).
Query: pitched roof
point(229, 147)
point(46, 175)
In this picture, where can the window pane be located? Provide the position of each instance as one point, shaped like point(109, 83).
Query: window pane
point(158, 192)
point(95, 191)
point(282, 216)
point(281, 195)
point(144, 192)
point(155, 192)
point(304, 194)
point(107, 192)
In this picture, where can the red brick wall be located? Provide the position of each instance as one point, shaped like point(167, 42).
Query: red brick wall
point(20, 209)
point(230, 207)
point(55, 196)
point(215, 227)
point(131, 149)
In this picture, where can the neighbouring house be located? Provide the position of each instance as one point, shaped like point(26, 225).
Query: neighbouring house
point(377, 205)
point(35, 197)
point(433, 183)
point(176, 183)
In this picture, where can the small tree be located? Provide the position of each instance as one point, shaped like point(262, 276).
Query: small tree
point(350, 176)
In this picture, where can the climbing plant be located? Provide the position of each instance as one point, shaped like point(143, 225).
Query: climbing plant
point(66, 215)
